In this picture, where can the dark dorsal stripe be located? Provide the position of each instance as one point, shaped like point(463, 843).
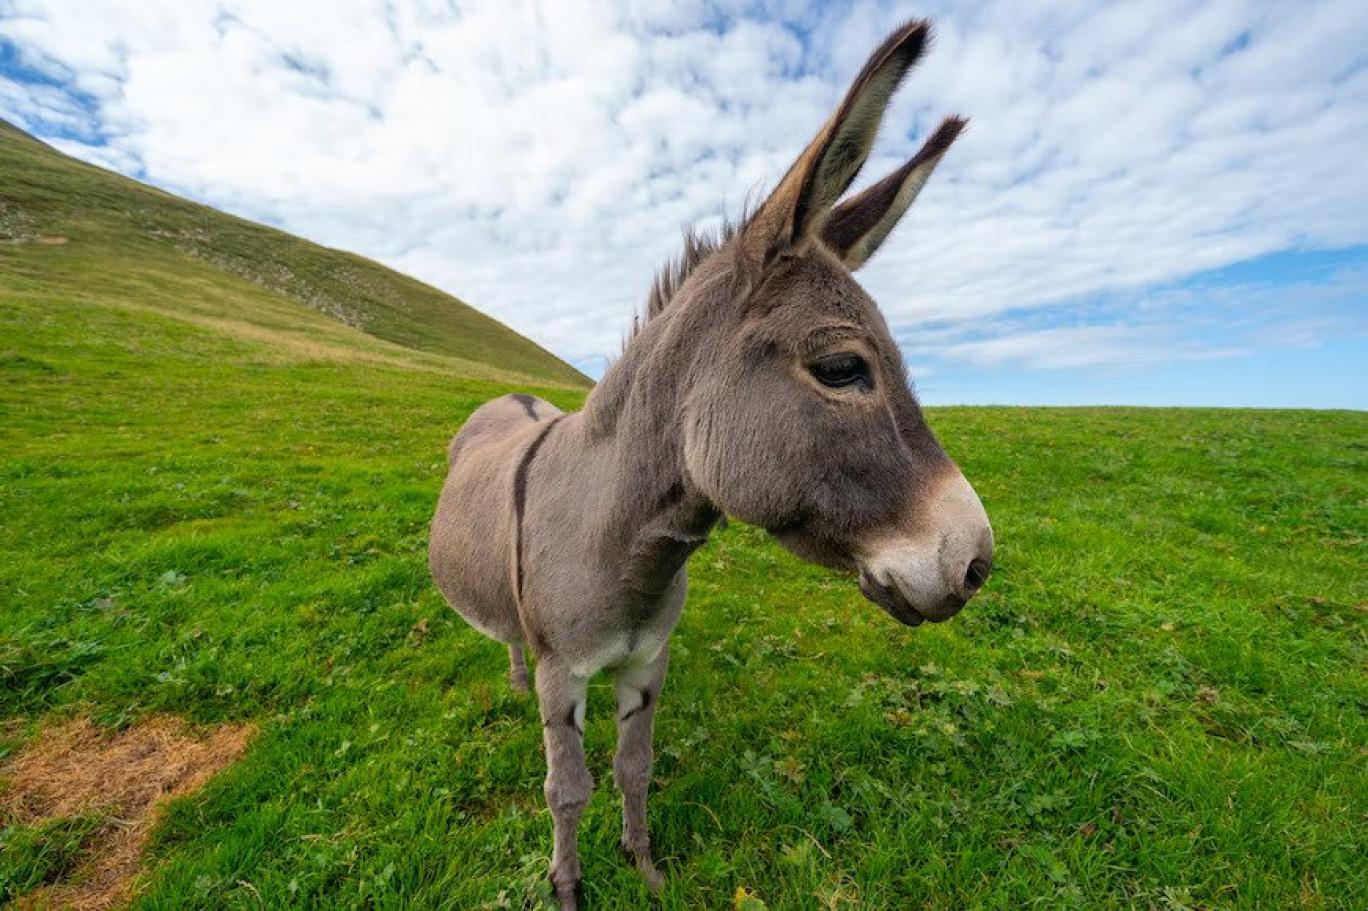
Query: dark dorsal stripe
point(528, 402)
point(520, 501)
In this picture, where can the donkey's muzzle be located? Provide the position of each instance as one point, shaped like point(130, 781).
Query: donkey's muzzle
point(933, 571)
point(899, 608)
point(890, 599)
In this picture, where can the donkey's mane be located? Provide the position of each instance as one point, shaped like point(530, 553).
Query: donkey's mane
point(670, 277)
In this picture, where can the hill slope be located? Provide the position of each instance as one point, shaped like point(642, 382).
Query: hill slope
point(69, 230)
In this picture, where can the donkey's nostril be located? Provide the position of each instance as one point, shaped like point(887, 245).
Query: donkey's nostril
point(977, 574)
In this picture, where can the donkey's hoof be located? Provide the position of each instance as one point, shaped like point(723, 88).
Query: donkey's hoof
point(519, 683)
point(655, 880)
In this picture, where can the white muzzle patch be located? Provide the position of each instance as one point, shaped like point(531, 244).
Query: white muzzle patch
point(931, 572)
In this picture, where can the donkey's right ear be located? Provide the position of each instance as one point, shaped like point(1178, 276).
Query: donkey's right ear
point(827, 166)
point(857, 227)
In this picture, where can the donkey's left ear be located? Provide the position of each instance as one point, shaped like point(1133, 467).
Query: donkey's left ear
point(858, 226)
point(827, 166)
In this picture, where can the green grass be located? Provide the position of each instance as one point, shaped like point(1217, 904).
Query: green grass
point(34, 856)
point(1158, 701)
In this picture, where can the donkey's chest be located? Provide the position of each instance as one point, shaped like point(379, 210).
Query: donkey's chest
point(620, 651)
point(632, 634)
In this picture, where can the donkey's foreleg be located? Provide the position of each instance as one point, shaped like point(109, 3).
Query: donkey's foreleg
point(638, 691)
point(561, 696)
point(517, 668)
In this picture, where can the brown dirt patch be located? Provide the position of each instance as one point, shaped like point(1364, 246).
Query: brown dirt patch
point(76, 767)
point(52, 240)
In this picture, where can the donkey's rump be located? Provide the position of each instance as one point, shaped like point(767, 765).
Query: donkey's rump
point(470, 545)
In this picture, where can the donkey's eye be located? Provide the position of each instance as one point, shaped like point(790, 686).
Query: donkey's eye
point(841, 370)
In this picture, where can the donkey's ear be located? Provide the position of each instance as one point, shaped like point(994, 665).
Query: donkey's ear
point(827, 166)
point(857, 227)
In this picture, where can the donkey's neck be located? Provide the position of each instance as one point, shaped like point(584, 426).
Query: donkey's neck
point(634, 424)
point(656, 549)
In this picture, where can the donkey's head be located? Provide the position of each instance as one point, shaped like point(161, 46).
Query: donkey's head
point(800, 419)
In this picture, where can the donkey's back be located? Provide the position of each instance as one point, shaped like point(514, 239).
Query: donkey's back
point(470, 545)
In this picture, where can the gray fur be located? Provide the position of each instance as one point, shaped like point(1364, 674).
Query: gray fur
point(569, 533)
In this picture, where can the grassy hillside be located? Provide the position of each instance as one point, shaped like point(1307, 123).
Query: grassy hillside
point(71, 231)
point(220, 512)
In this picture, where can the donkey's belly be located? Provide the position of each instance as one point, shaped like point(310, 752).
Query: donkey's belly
point(468, 556)
point(471, 539)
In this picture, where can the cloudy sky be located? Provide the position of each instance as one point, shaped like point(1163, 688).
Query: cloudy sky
point(1156, 202)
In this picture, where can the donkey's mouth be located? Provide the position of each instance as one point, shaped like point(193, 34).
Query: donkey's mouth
point(890, 599)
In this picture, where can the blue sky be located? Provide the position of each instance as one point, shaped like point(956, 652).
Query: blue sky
point(1281, 330)
point(1156, 203)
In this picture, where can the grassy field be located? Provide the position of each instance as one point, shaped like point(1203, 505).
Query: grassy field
point(1157, 702)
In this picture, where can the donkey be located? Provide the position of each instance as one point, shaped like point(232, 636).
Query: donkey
point(762, 384)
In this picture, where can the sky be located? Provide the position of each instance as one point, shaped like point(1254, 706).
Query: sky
point(1155, 202)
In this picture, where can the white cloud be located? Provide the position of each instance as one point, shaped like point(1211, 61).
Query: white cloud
point(538, 160)
point(1083, 346)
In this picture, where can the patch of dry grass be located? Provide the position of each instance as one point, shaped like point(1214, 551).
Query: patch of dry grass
point(77, 768)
